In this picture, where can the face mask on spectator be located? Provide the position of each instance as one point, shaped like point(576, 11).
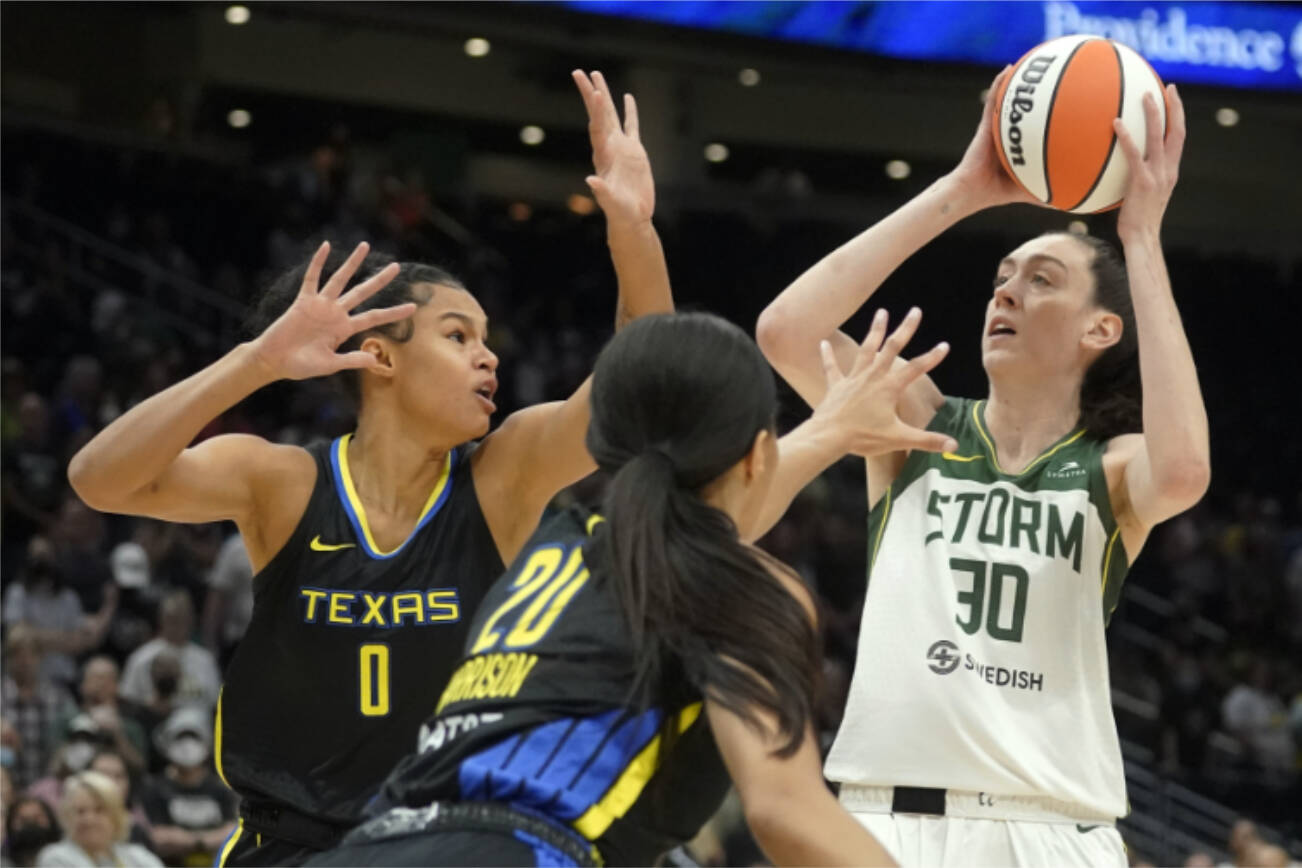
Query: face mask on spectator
point(29, 839)
point(187, 751)
point(78, 754)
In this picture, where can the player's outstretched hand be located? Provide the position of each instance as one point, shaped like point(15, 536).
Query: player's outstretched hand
point(622, 185)
point(304, 340)
point(1154, 173)
point(980, 174)
point(860, 406)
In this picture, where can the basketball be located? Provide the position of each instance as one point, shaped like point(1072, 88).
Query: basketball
point(1053, 130)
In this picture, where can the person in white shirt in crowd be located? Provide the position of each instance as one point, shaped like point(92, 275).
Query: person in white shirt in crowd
point(190, 811)
point(53, 611)
point(199, 679)
point(94, 827)
point(1254, 714)
point(229, 605)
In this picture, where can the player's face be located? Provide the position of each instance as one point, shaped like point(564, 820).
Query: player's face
point(449, 374)
point(1041, 310)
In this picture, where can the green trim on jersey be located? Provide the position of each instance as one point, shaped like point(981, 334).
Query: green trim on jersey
point(1077, 465)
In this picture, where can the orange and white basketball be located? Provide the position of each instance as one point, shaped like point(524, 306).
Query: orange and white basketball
point(1053, 126)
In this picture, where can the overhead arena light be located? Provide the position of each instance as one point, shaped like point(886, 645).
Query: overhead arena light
point(748, 77)
point(237, 14)
point(716, 152)
point(580, 204)
point(1227, 117)
point(477, 46)
point(532, 135)
point(898, 170)
point(239, 118)
point(1078, 227)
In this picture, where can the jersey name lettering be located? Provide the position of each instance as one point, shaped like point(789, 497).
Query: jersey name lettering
point(488, 676)
point(996, 517)
point(338, 608)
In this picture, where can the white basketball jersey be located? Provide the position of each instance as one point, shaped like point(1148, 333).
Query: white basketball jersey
point(982, 664)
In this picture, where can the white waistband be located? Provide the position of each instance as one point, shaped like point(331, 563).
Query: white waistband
point(978, 806)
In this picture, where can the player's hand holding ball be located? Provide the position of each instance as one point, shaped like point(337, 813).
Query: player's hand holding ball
point(1152, 177)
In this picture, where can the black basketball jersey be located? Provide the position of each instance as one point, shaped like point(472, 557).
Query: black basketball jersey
point(536, 715)
point(349, 646)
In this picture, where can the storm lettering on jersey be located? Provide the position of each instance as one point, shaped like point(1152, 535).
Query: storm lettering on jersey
point(998, 517)
point(333, 607)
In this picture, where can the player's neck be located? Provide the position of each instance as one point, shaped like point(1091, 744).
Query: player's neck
point(1026, 419)
point(393, 471)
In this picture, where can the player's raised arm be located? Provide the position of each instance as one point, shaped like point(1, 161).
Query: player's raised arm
point(1170, 468)
point(539, 450)
point(140, 465)
point(813, 308)
point(858, 415)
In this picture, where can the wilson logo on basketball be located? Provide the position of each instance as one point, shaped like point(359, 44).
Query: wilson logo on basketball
point(1023, 105)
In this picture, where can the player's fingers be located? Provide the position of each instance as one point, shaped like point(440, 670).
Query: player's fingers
point(898, 339)
point(922, 364)
point(606, 104)
point(1133, 159)
point(631, 125)
point(831, 370)
point(312, 277)
point(1175, 124)
point(585, 87)
point(335, 285)
point(1152, 128)
point(927, 441)
point(872, 341)
point(988, 110)
point(369, 287)
point(381, 316)
point(357, 359)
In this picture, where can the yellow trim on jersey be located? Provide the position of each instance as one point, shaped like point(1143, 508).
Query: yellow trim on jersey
point(994, 454)
point(217, 741)
point(230, 843)
point(593, 521)
point(624, 792)
point(1107, 559)
point(881, 530)
point(361, 510)
point(950, 456)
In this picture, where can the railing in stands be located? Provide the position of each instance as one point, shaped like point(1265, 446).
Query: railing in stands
point(193, 309)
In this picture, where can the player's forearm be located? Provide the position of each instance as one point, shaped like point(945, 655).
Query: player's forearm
point(140, 444)
point(804, 453)
point(816, 831)
point(640, 270)
point(817, 303)
point(1175, 419)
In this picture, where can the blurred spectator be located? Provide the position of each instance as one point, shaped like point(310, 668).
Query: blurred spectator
point(78, 536)
point(33, 480)
point(113, 766)
point(99, 702)
point(31, 703)
point(79, 407)
point(1256, 716)
point(54, 613)
point(95, 828)
point(165, 675)
point(199, 678)
point(72, 755)
point(133, 622)
point(190, 810)
point(229, 606)
point(1199, 859)
point(30, 825)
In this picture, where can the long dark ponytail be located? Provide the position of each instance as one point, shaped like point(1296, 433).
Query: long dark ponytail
point(1111, 398)
point(409, 285)
point(676, 401)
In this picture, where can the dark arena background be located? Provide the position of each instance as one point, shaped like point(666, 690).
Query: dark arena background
point(162, 162)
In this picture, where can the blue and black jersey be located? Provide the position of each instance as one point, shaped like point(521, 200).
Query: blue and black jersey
point(349, 646)
point(538, 715)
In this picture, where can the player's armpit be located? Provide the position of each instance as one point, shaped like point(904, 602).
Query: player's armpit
point(521, 466)
point(791, 812)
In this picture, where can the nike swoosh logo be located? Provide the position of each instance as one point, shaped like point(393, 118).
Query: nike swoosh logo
point(317, 546)
point(1084, 829)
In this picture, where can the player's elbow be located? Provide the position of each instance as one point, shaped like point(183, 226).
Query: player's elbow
point(88, 485)
point(773, 815)
point(777, 333)
point(1185, 481)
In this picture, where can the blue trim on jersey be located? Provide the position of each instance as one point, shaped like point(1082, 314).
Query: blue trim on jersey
point(562, 767)
point(544, 854)
point(355, 518)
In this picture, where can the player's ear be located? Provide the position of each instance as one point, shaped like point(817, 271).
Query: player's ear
point(1104, 331)
point(761, 457)
point(382, 351)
